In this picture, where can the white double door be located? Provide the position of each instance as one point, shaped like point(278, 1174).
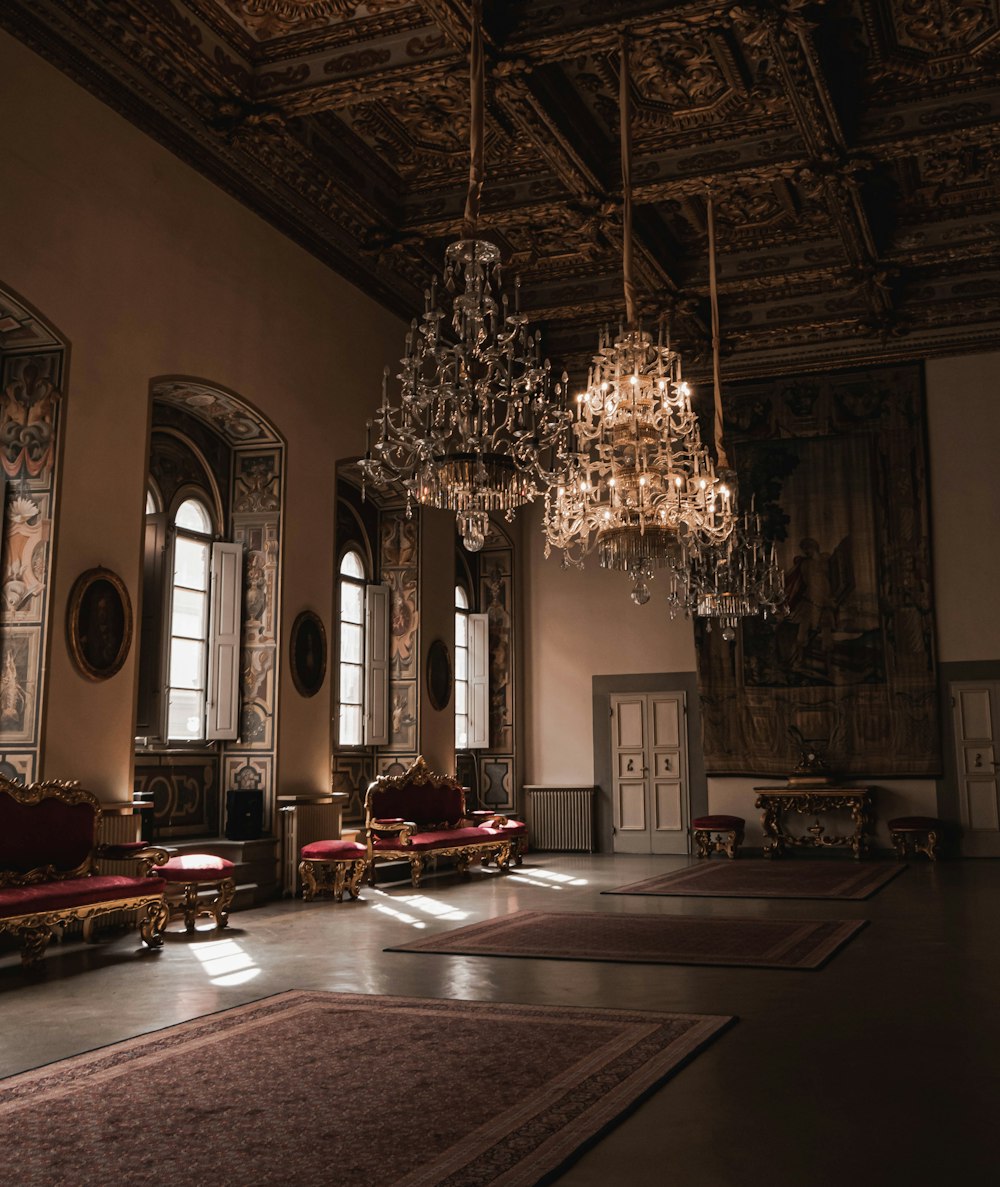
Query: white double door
point(649, 772)
point(976, 707)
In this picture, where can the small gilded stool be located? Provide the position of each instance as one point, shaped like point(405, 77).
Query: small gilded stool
point(718, 834)
point(922, 834)
point(186, 875)
point(332, 866)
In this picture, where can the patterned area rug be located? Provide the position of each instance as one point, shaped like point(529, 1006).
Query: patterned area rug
point(648, 939)
point(313, 1088)
point(771, 879)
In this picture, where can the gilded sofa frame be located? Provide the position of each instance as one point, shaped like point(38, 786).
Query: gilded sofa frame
point(497, 849)
point(34, 928)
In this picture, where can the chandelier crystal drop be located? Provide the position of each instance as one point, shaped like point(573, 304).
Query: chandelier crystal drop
point(479, 420)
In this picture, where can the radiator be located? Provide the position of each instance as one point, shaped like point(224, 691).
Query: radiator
point(303, 822)
point(560, 817)
point(114, 829)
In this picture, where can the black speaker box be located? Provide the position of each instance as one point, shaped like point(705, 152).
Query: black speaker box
point(244, 815)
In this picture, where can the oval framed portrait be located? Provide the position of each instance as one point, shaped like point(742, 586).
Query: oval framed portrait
point(99, 623)
point(307, 653)
point(439, 674)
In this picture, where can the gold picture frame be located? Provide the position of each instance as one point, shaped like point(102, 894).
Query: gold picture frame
point(99, 623)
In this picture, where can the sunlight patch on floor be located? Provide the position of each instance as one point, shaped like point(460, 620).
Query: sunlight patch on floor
point(225, 962)
point(549, 879)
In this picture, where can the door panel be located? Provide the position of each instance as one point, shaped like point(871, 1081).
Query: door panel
point(649, 762)
point(975, 715)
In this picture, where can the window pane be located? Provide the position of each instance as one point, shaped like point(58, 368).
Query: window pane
point(461, 732)
point(191, 563)
point(461, 698)
point(194, 515)
point(186, 715)
point(351, 566)
point(150, 503)
point(188, 618)
point(352, 602)
point(350, 684)
point(461, 663)
point(461, 598)
point(350, 725)
point(351, 643)
point(187, 664)
point(461, 630)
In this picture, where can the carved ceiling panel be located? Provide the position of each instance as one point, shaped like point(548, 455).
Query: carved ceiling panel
point(850, 146)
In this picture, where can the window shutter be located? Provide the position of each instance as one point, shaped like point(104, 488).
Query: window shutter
point(224, 631)
point(479, 681)
point(376, 665)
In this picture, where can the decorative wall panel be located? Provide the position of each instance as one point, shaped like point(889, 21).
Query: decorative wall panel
point(30, 386)
point(184, 793)
point(496, 765)
point(838, 466)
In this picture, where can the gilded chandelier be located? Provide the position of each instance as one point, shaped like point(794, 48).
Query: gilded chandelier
point(638, 483)
point(477, 422)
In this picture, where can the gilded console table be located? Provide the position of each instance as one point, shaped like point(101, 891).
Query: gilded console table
point(776, 802)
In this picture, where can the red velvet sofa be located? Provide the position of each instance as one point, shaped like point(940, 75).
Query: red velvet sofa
point(50, 873)
point(419, 815)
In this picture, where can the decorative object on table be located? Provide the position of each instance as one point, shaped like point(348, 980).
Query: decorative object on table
point(718, 834)
point(439, 674)
point(477, 422)
point(770, 879)
point(99, 623)
point(647, 939)
point(837, 467)
point(917, 834)
point(811, 770)
point(307, 653)
point(637, 480)
point(776, 803)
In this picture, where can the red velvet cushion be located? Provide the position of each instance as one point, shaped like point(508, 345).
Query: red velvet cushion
point(719, 822)
point(513, 828)
point(73, 892)
point(438, 840)
point(196, 867)
point(332, 851)
point(421, 803)
point(915, 823)
point(49, 833)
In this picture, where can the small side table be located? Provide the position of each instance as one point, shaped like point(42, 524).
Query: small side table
point(776, 802)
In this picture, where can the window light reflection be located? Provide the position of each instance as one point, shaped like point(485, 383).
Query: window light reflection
point(548, 877)
point(402, 916)
point(225, 962)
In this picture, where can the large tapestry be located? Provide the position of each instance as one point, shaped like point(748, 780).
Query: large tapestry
point(837, 465)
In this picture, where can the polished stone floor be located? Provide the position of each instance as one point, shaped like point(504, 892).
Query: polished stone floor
point(883, 1068)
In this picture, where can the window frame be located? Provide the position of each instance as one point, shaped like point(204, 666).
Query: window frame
point(461, 679)
point(359, 582)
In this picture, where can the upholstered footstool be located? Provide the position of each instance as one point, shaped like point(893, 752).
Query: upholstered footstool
point(718, 834)
point(331, 866)
point(922, 834)
point(187, 875)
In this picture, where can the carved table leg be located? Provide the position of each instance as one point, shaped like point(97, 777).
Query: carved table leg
point(154, 923)
point(357, 877)
point(190, 905)
point(416, 869)
point(34, 941)
point(223, 901)
point(770, 821)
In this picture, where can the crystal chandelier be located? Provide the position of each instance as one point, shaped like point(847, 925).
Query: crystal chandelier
point(477, 421)
point(637, 482)
point(738, 577)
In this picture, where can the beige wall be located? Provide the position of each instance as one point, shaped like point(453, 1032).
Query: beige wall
point(582, 624)
point(148, 270)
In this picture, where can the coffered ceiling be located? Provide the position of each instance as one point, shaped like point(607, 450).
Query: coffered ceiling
point(852, 148)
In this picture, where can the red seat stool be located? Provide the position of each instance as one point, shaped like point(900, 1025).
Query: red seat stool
point(332, 866)
point(516, 831)
point(718, 834)
point(921, 833)
point(186, 875)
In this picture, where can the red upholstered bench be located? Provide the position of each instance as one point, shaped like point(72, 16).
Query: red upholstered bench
point(922, 833)
point(419, 815)
point(332, 866)
point(50, 873)
point(186, 875)
point(718, 834)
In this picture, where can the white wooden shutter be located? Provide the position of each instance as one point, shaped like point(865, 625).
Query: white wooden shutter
point(223, 709)
point(376, 665)
point(479, 681)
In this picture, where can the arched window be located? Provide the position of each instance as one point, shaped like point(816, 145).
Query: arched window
point(351, 661)
point(187, 654)
point(461, 668)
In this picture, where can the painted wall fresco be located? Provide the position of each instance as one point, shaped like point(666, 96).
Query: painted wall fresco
point(497, 765)
point(29, 425)
point(399, 570)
